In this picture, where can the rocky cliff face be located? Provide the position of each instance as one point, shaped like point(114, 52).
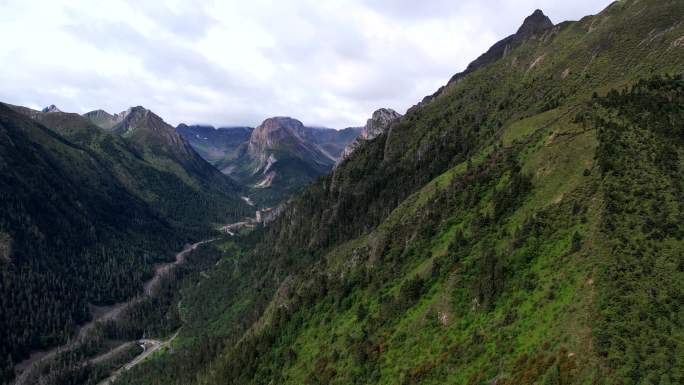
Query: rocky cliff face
point(534, 24)
point(377, 125)
point(285, 137)
point(281, 156)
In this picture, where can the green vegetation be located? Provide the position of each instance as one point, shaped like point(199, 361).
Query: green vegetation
point(83, 220)
point(523, 226)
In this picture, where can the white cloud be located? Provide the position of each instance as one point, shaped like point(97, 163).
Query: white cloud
point(234, 62)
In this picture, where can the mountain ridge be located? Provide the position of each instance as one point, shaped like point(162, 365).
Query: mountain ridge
point(501, 233)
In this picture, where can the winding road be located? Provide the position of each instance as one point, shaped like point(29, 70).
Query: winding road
point(149, 348)
point(27, 367)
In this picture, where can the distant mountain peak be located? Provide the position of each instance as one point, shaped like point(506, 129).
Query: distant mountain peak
point(272, 132)
point(137, 117)
point(51, 108)
point(280, 122)
point(535, 23)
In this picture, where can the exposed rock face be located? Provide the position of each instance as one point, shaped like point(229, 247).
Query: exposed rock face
point(375, 126)
point(281, 156)
point(284, 135)
point(534, 24)
point(51, 108)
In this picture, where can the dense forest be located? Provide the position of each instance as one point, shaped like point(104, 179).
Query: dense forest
point(482, 260)
point(76, 231)
point(522, 225)
point(508, 230)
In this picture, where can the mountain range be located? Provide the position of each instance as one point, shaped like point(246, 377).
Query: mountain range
point(87, 212)
point(275, 159)
point(521, 225)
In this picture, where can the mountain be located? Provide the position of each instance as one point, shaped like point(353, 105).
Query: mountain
point(102, 119)
point(279, 158)
point(215, 145)
point(50, 108)
point(534, 27)
point(521, 226)
point(273, 160)
point(160, 145)
point(62, 206)
point(377, 125)
point(86, 213)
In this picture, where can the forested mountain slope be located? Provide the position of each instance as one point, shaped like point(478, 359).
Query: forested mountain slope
point(523, 225)
point(84, 216)
point(156, 164)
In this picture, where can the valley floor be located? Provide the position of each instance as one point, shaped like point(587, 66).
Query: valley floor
point(27, 369)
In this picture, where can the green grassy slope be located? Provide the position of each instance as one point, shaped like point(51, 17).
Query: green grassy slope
point(524, 226)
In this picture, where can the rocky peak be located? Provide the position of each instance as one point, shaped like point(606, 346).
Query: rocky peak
point(139, 116)
point(274, 130)
point(377, 125)
point(281, 123)
point(535, 23)
point(51, 108)
point(287, 137)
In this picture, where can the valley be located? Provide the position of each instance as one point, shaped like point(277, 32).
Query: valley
point(521, 224)
point(28, 368)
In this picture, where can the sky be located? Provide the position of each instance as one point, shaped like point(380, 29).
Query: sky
point(235, 62)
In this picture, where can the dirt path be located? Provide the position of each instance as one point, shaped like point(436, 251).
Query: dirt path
point(25, 368)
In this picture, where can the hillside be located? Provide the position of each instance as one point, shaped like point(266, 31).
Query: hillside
point(143, 145)
point(522, 225)
point(54, 261)
point(85, 215)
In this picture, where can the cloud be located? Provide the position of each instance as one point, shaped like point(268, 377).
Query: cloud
point(233, 62)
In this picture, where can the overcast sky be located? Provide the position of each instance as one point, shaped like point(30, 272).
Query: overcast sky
point(237, 62)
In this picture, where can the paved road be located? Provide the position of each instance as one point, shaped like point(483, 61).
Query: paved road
point(149, 348)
